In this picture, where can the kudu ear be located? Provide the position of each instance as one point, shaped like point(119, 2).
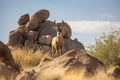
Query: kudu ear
point(54, 23)
point(62, 25)
point(62, 21)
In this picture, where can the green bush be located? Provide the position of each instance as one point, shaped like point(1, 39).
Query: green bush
point(107, 48)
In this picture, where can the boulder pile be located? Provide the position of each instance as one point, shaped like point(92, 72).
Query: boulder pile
point(37, 31)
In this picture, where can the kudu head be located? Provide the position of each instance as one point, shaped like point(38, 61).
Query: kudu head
point(59, 27)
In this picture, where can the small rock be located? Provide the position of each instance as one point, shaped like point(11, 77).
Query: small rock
point(24, 19)
point(45, 40)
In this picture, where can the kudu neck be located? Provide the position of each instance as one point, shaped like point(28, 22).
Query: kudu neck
point(58, 33)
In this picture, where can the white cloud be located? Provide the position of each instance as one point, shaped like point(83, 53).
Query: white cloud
point(93, 26)
point(108, 16)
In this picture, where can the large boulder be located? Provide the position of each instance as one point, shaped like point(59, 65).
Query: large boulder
point(24, 19)
point(16, 37)
point(28, 44)
point(46, 40)
point(6, 56)
point(40, 15)
point(47, 28)
point(45, 48)
point(32, 25)
point(70, 44)
point(22, 27)
point(32, 36)
point(74, 59)
point(66, 30)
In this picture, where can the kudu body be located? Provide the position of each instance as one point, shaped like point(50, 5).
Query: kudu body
point(57, 42)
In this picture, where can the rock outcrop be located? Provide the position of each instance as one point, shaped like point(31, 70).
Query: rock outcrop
point(72, 60)
point(39, 31)
point(66, 30)
point(16, 37)
point(6, 56)
point(70, 44)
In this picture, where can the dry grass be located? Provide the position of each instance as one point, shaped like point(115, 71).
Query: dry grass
point(51, 74)
point(4, 78)
point(60, 74)
point(27, 59)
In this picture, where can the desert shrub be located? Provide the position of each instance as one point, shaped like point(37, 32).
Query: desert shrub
point(107, 48)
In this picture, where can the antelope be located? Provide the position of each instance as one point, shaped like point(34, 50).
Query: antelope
point(57, 42)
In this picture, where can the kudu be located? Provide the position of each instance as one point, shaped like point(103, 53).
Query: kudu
point(57, 41)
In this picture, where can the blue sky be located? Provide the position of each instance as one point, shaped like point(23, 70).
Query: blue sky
point(87, 18)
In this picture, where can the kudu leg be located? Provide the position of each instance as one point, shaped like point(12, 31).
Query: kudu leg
point(53, 52)
point(60, 50)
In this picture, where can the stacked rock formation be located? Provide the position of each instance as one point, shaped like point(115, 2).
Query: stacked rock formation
point(37, 30)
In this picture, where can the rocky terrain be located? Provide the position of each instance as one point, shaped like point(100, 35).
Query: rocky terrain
point(37, 32)
point(72, 60)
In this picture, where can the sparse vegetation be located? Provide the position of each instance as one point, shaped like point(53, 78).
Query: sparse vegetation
point(60, 74)
point(27, 58)
point(107, 48)
point(79, 75)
